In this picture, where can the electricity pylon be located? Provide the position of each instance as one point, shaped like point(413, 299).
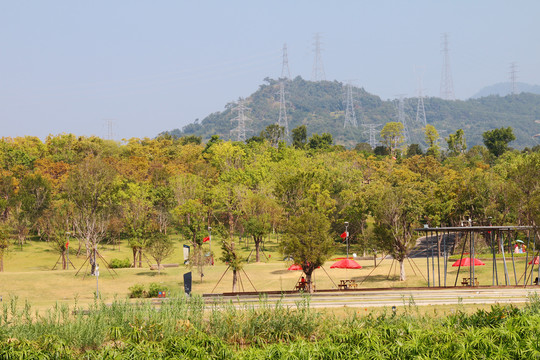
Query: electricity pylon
point(447, 85)
point(318, 68)
point(350, 115)
point(241, 128)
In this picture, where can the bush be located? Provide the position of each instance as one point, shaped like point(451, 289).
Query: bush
point(117, 263)
point(154, 289)
point(136, 291)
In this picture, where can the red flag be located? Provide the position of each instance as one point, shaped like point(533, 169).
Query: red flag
point(206, 239)
point(67, 245)
point(344, 235)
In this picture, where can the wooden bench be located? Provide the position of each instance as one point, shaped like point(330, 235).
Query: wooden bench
point(467, 281)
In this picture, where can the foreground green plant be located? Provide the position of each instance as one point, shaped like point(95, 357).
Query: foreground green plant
point(186, 328)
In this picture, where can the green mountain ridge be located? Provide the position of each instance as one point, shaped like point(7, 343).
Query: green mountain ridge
point(321, 107)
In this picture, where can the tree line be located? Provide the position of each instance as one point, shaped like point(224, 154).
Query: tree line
point(144, 190)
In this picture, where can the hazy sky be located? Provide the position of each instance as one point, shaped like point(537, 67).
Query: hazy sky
point(150, 66)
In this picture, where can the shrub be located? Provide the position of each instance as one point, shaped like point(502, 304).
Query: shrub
point(154, 289)
point(117, 263)
point(136, 291)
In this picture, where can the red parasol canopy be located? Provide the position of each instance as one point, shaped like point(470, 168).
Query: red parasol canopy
point(467, 262)
point(295, 267)
point(346, 264)
point(535, 261)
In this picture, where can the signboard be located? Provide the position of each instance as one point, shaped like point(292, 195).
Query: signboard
point(186, 254)
point(187, 283)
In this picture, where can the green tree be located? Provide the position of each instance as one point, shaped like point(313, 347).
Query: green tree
point(273, 134)
point(4, 245)
point(413, 150)
point(497, 140)
point(317, 141)
point(231, 257)
point(396, 211)
point(90, 188)
point(392, 136)
point(55, 230)
point(260, 212)
point(432, 138)
point(160, 247)
point(456, 142)
point(299, 137)
point(33, 198)
point(307, 240)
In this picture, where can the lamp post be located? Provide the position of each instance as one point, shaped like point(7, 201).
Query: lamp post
point(347, 237)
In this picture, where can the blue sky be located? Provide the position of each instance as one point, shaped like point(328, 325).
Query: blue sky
point(150, 66)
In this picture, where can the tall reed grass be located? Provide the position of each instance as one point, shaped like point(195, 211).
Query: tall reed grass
point(189, 328)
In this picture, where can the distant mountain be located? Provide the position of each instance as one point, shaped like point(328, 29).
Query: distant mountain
point(503, 89)
point(321, 107)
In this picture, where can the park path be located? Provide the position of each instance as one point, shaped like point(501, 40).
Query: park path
point(388, 297)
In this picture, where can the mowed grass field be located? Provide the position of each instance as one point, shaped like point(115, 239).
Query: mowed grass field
point(28, 274)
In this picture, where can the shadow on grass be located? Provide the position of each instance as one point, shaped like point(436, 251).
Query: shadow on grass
point(375, 278)
point(148, 273)
point(284, 271)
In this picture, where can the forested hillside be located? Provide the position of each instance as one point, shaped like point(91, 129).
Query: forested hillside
point(321, 107)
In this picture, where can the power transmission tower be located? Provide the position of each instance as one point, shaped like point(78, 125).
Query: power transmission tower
point(420, 109)
point(318, 68)
point(110, 134)
point(283, 121)
point(350, 116)
point(241, 128)
point(285, 72)
point(513, 77)
point(402, 117)
point(372, 134)
point(447, 85)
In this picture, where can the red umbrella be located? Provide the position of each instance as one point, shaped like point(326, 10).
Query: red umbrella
point(535, 261)
point(295, 267)
point(467, 262)
point(346, 264)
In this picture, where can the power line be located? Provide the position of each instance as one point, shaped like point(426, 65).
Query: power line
point(318, 68)
point(285, 72)
point(447, 85)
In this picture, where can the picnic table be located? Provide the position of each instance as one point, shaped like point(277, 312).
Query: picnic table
point(347, 284)
point(467, 281)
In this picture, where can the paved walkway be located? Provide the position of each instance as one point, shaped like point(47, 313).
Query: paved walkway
point(389, 298)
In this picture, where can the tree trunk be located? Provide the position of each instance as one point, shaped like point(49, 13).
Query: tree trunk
point(93, 261)
point(140, 256)
point(402, 276)
point(1, 261)
point(257, 248)
point(234, 279)
point(310, 288)
point(134, 250)
point(64, 262)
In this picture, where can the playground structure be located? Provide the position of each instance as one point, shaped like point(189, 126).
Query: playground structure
point(500, 239)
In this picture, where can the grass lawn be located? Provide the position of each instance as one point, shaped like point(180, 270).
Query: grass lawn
point(28, 275)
